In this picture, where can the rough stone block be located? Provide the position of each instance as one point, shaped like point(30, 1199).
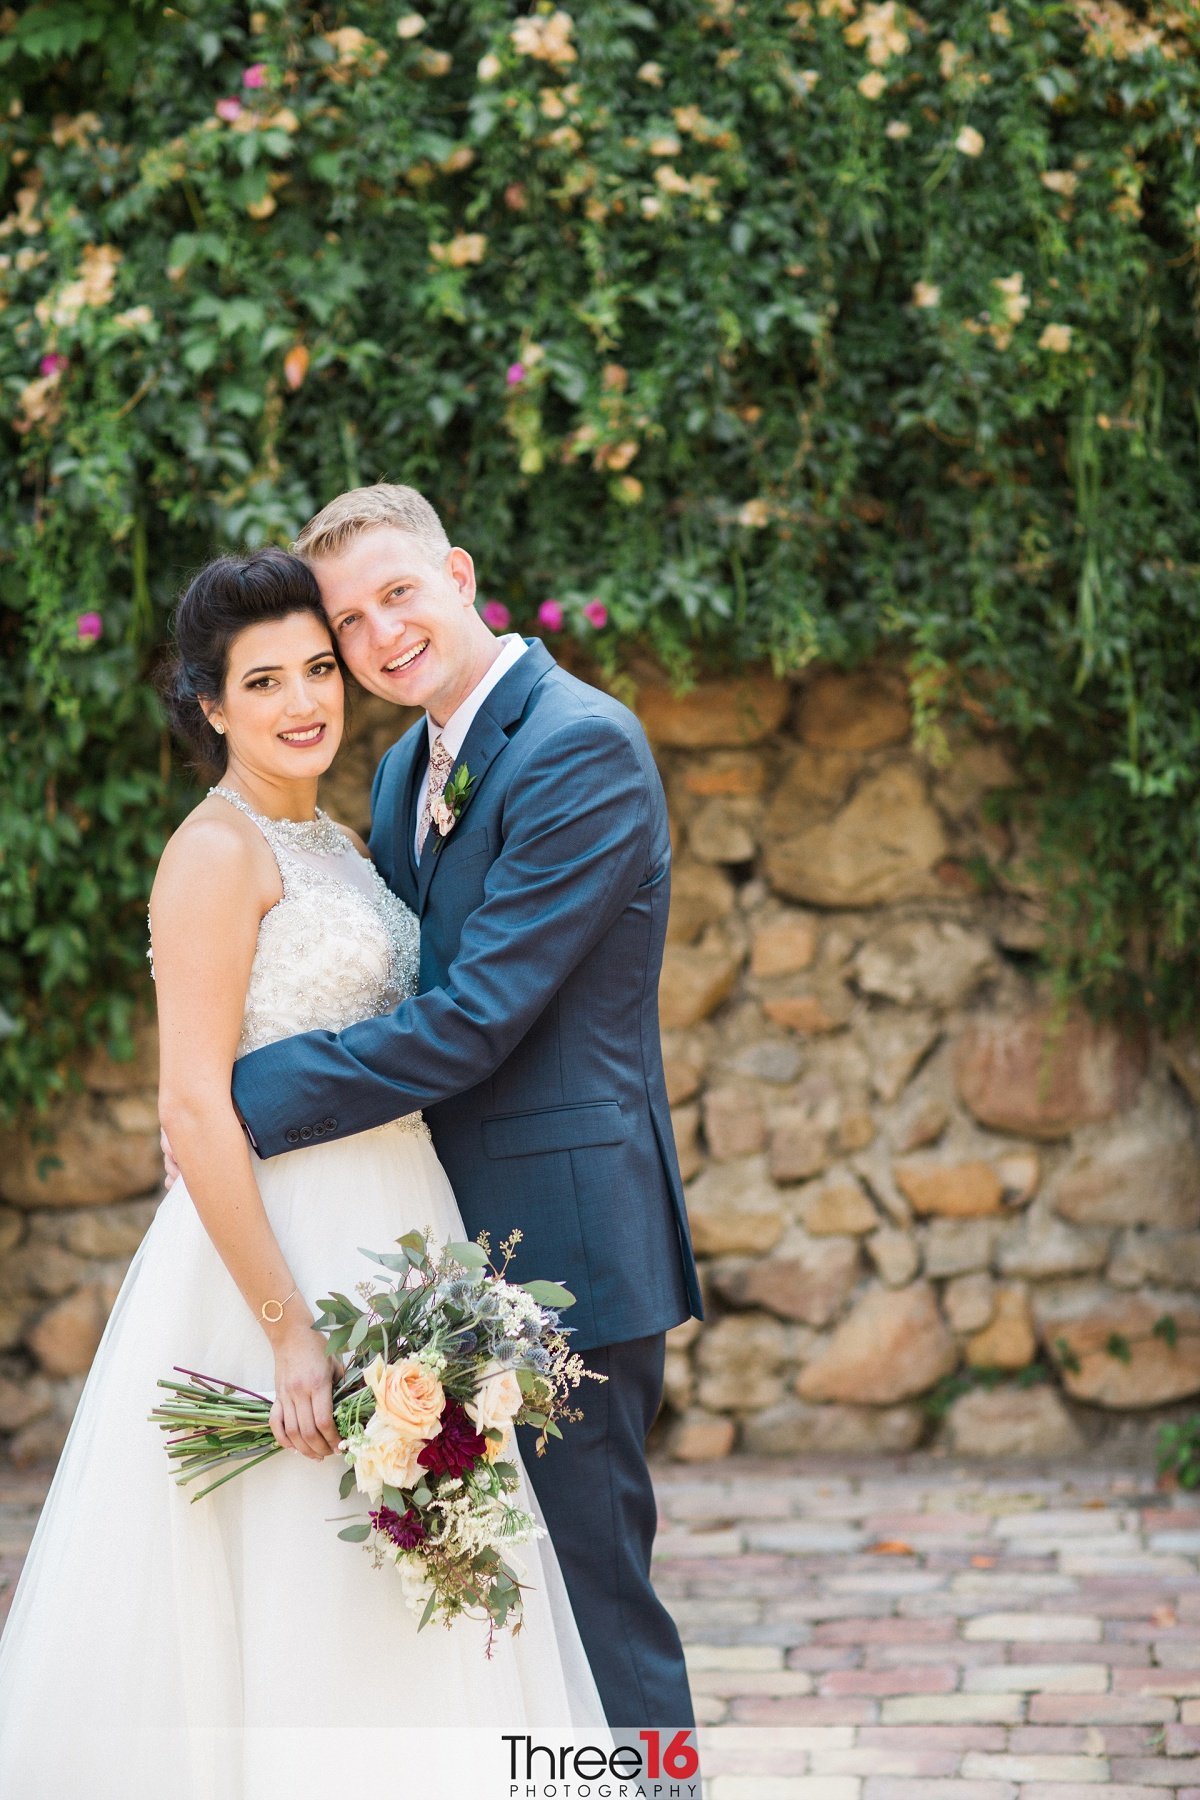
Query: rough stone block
point(882, 846)
point(736, 1207)
point(1032, 1074)
point(956, 1190)
point(1010, 1422)
point(893, 1346)
point(862, 709)
point(713, 714)
point(795, 1428)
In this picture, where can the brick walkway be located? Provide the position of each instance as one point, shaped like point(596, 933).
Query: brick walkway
point(918, 1629)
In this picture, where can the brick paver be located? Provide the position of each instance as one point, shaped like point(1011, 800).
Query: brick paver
point(916, 1628)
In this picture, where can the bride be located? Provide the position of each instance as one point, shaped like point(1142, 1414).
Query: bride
point(235, 1649)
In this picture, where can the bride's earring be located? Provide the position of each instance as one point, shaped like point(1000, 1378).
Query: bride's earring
point(219, 729)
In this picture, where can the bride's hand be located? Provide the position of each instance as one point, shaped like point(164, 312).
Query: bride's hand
point(302, 1416)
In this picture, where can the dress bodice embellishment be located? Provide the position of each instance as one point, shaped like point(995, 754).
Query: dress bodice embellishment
point(337, 947)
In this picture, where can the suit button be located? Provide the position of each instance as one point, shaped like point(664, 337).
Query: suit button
point(305, 1133)
point(330, 1124)
point(292, 1136)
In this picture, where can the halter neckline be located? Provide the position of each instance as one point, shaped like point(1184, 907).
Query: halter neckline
point(319, 834)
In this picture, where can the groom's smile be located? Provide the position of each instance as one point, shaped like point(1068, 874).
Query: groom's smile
point(403, 663)
point(404, 618)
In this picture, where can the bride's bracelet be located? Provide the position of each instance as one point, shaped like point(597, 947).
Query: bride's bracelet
point(274, 1318)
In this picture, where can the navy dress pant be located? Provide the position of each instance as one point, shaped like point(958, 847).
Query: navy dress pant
point(594, 1489)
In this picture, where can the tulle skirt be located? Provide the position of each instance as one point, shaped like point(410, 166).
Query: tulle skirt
point(235, 1648)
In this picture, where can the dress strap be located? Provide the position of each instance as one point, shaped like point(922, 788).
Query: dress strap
point(319, 836)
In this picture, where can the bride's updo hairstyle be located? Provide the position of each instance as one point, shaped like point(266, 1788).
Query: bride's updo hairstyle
point(219, 603)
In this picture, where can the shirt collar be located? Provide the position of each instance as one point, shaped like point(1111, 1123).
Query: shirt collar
point(454, 732)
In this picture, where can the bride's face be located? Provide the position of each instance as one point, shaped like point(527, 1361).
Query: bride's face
point(283, 704)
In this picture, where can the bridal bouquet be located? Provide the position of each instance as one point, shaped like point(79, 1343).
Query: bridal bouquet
point(440, 1365)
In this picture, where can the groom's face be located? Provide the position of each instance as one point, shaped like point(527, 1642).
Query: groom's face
point(405, 623)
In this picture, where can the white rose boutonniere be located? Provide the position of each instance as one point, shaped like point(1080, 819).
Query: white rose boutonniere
point(445, 811)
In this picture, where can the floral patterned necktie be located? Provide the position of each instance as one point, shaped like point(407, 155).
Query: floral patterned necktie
point(441, 764)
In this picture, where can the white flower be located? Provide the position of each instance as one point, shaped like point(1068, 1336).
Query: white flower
point(969, 141)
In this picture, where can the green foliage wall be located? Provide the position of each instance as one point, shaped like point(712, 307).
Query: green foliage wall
point(781, 330)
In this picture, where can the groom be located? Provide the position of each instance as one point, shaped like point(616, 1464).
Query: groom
point(523, 820)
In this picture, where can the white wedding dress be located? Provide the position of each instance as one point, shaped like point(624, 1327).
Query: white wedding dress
point(235, 1648)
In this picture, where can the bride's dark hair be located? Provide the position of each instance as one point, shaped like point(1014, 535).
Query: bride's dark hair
point(220, 602)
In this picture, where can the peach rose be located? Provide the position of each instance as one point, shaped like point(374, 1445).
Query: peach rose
point(407, 1397)
point(385, 1455)
point(496, 1400)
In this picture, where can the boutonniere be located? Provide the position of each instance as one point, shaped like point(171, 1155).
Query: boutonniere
point(445, 812)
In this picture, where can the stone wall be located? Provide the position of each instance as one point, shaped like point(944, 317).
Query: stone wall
point(928, 1208)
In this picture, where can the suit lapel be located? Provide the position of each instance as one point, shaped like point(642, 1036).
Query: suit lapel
point(490, 731)
point(412, 754)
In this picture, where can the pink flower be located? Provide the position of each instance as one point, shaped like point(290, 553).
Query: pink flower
point(496, 615)
point(550, 614)
point(443, 817)
point(255, 75)
point(229, 110)
point(515, 374)
point(53, 364)
point(596, 613)
point(88, 626)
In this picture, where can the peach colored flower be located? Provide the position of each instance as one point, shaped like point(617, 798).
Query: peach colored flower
point(386, 1455)
point(1016, 300)
point(295, 366)
point(407, 1396)
point(98, 272)
point(926, 293)
point(1060, 181)
point(880, 30)
point(873, 84)
point(496, 1400)
point(467, 247)
point(670, 180)
point(547, 39)
point(442, 816)
point(410, 26)
point(488, 67)
point(755, 514)
point(1055, 337)
point(897, 129)
point(969, 141)
point(999, 24)
point(651, 73)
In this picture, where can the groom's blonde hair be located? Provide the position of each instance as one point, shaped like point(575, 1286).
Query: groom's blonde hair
point(360, 509)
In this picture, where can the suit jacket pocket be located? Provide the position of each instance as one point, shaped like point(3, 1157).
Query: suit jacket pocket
point(471, 843)
point(556, 1128)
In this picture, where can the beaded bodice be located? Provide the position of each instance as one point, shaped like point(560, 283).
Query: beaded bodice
point(336, 948)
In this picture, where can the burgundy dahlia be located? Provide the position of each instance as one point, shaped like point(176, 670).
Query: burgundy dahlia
point(457, 1446)
point(404, 1529)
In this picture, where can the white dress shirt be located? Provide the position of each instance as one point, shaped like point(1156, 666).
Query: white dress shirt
point(454, 732)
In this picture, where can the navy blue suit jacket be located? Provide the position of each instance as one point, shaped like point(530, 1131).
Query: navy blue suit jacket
point(532, 1045)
